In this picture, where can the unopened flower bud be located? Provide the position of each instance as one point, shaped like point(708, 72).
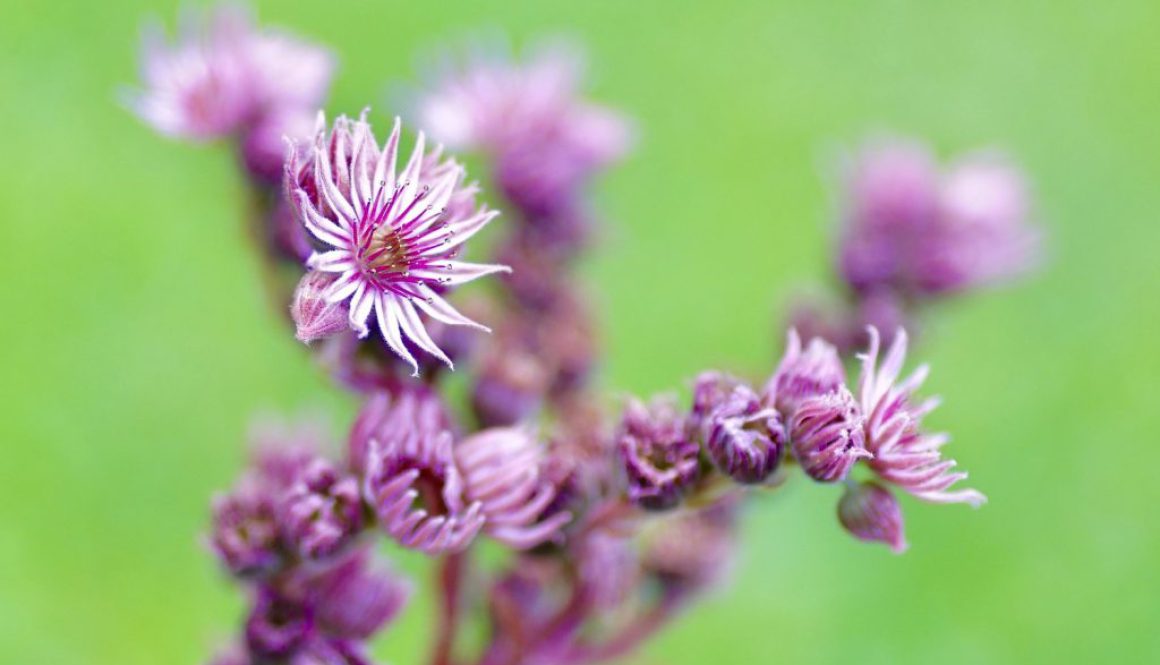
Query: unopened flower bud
point(744, 439)
point(245, 531)
point(802, 374)
point(826, 434)
point(659, 458)
point(322, 511)
point(278, 626)
point(314, 316)
point(871, 513)
point(356, 599)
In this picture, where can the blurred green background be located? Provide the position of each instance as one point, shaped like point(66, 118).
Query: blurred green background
point(135, 342)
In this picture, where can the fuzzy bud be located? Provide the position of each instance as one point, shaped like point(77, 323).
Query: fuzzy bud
point(802, 374)
point(744, 439)
point(315, 317)
point(826, 434)
point(868, 511)
point(659, 458)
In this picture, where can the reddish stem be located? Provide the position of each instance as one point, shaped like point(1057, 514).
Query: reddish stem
point(450, 579)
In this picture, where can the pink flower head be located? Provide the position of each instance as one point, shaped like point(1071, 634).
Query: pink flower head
point(870, 512)
point(744, 438)
point(660, 459)
point(920, 232)
point(503, 469)
point(530, 118)
point(411, 478)
point(358, 596)
point(393, 235)
point(322, 511)
point(802, 374)
point(826, 435)
point(225, 75)
point(903, 454)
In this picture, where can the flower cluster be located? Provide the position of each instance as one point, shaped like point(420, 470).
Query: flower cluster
point(912, 234)
point(609, 525)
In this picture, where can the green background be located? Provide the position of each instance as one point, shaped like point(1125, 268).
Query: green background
point(135, 343)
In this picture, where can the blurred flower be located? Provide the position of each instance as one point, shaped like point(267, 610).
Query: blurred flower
point(826, 435)
point(915, 231)
point(870, 512)
point(314, 316)
point(245, 530)
point(902, 453)
point(744, 439)
point(658, 456)
point(503, 469)
point(544, 139)
point(804, 374)
point(278, 625)
point(224, 75)
point(322, 511)
point(411, 480)
point(391, 238)
point(355, 599)
point(510, 384)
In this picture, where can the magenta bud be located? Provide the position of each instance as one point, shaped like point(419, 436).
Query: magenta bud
point(802, 374)
point(871, 513)
point(356, 599)
point(826, 434)
point(658, 456)
point(245, 532)
point(322, 511)
point(315, 317)
point(744, 439)
point(278, 626)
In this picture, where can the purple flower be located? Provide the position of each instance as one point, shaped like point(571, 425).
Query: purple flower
point(804, 374)
point(903, 454)
point(322, 511)
point(503, 470)
point(314, 316)
point(915, 231)
point(245, 533)
point(225, 76)
point(355, 599)
point(826, 435)
point(410, 477)
point(510, 384)
point(392, 242)
point(278, 625)
point(659, 458)
point(981, 235)
point(871, 513)
point(744, 439)
point(530, 119)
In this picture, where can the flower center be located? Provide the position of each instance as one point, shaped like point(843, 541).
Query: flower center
point(387, 254)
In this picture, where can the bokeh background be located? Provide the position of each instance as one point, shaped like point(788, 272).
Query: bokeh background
point(135, 343)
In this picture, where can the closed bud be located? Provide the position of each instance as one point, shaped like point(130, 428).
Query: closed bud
point(871, 513)
point(659, 458)
point(804, 373)
point(322, 511)
point(315, 317)
point(826, 435)
point(745, 439)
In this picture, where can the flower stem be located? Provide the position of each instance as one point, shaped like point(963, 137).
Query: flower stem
point(449, 577)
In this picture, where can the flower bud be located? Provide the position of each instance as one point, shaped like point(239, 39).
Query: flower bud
point(278, 626)
point(826, 434)
point(313, 315)
point(509, 388)
point(871, 513)
point(245, 531)
point(803, 374)
point(322, 511)
point(355, 600)
point(659, 458)
point(744, 439)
